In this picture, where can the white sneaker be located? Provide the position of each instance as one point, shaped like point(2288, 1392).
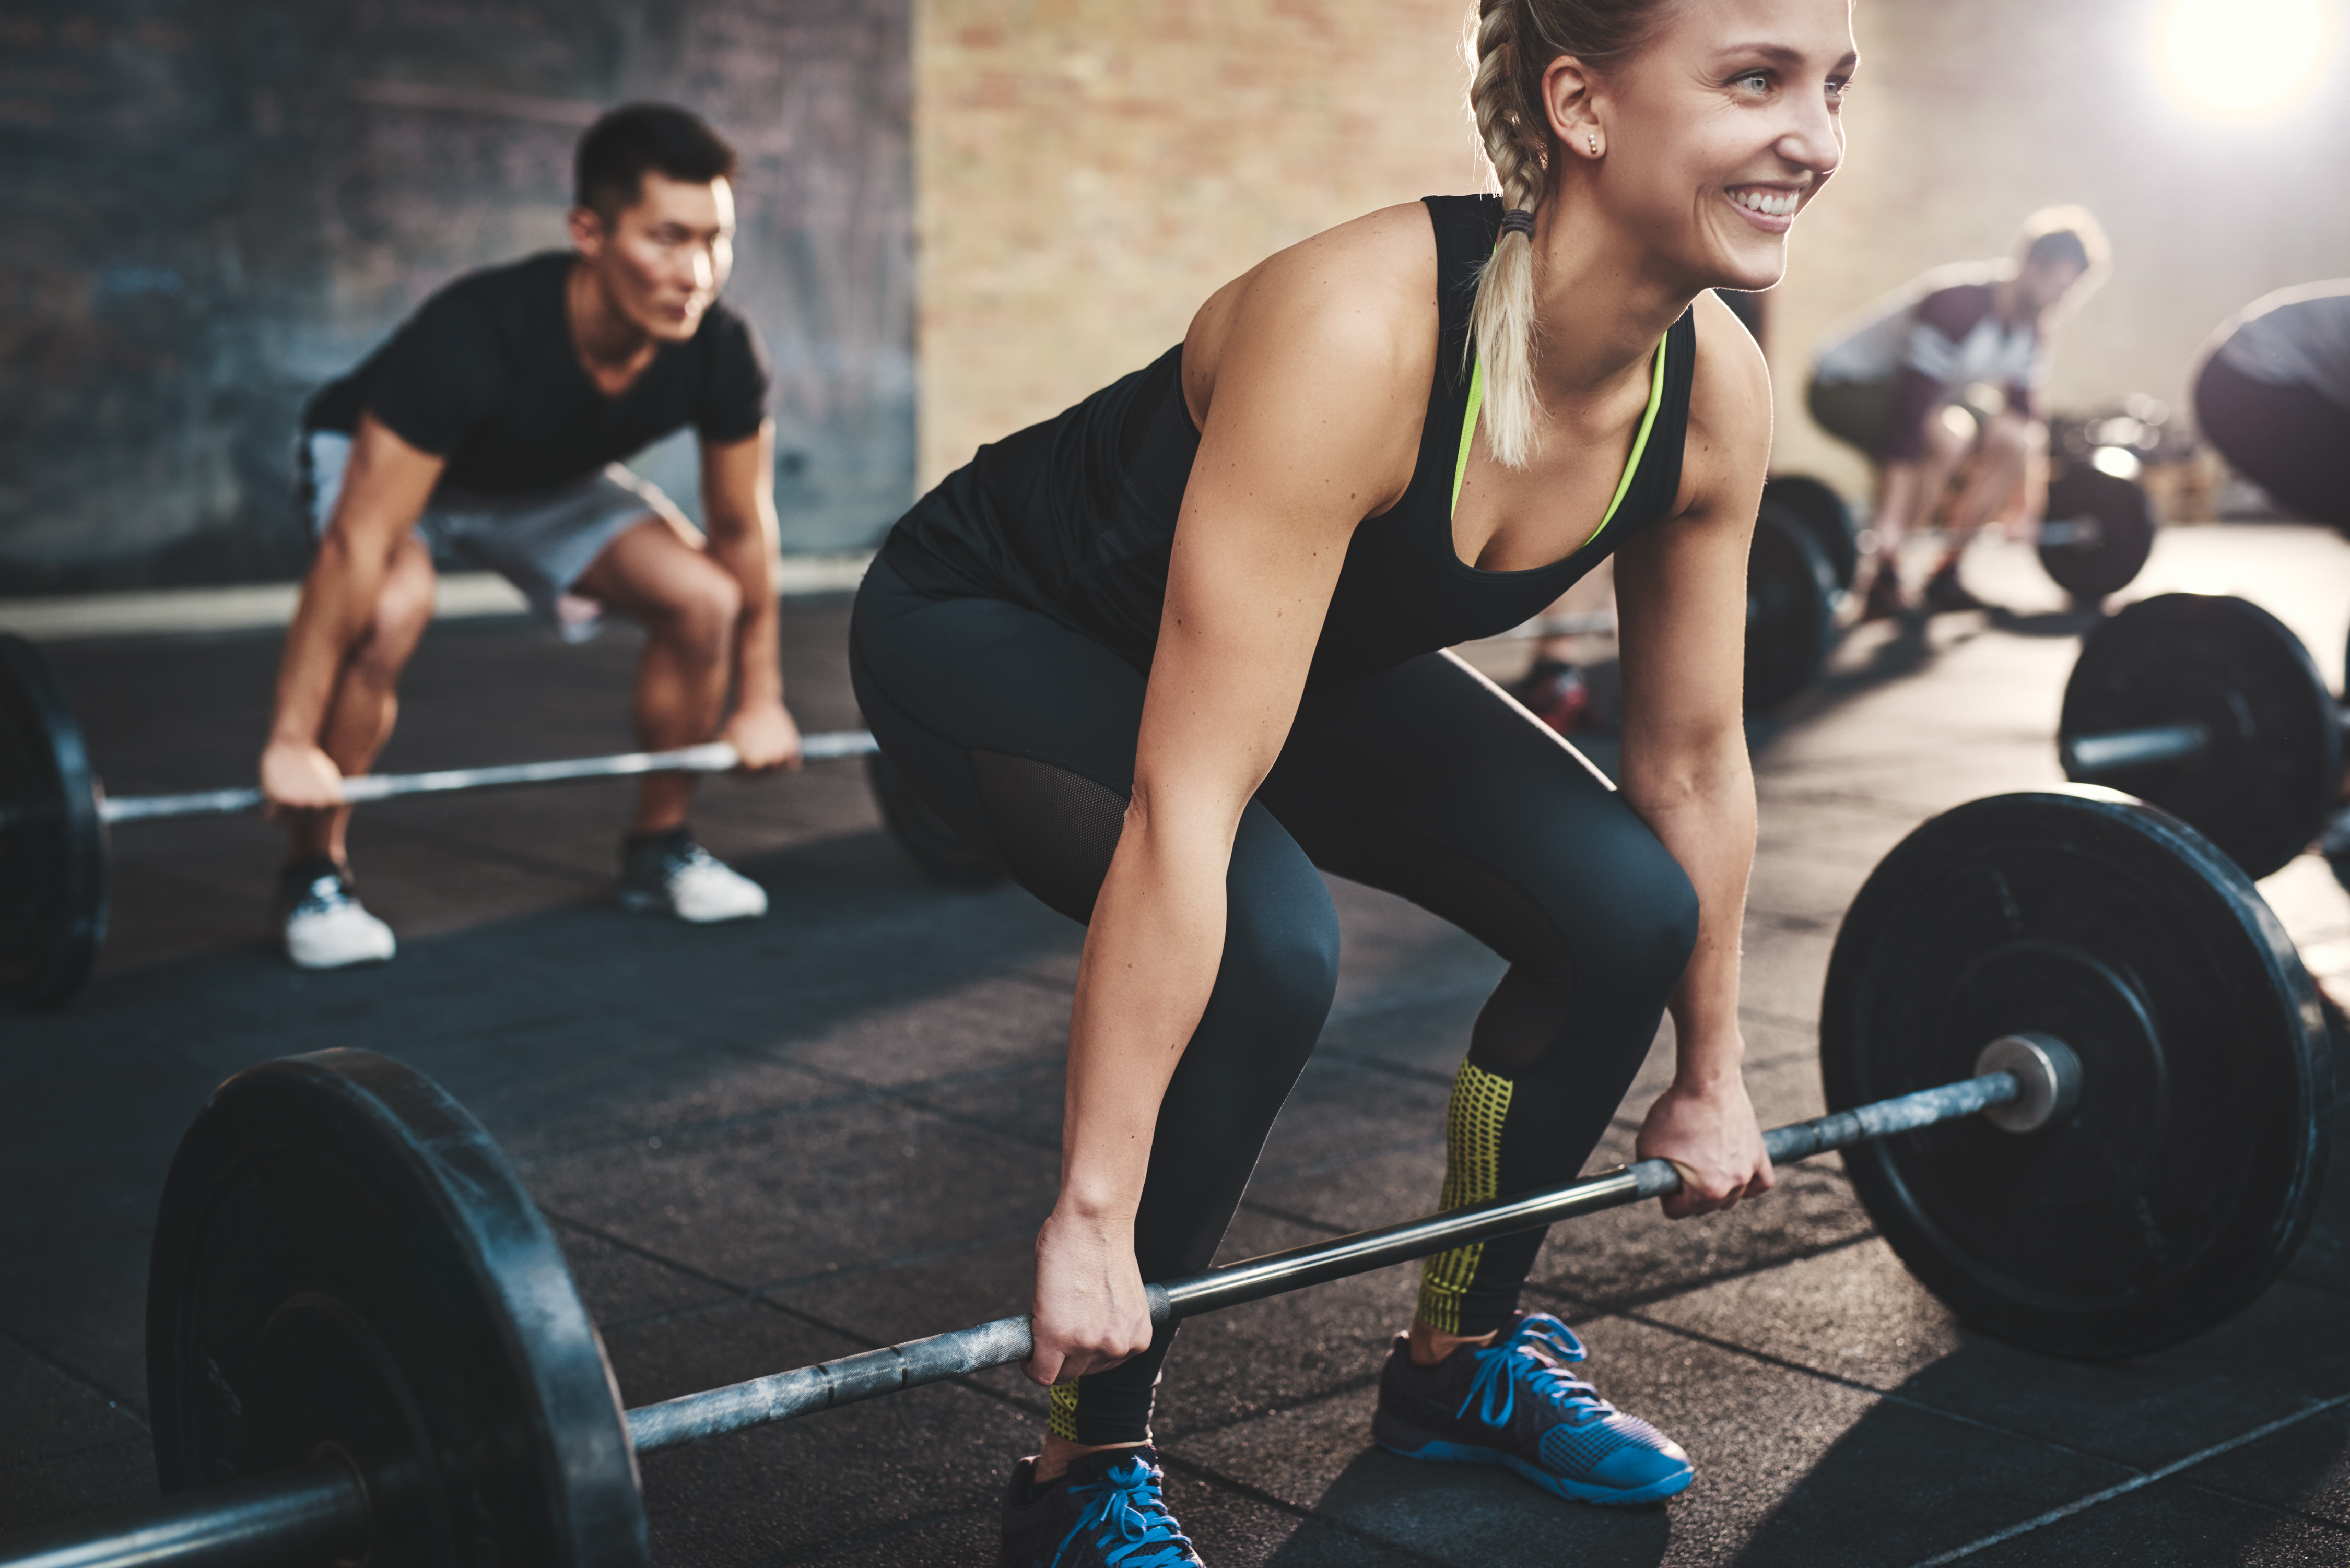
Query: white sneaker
point(668, 873)
point(324, 926)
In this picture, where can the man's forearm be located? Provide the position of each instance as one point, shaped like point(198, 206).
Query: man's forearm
point(337, 597)
point(748, 554)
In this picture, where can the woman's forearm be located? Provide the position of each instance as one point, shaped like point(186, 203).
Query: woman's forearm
point(1707, 824)
point(1151, 954)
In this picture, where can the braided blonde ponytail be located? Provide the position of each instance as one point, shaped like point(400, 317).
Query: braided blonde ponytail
point(1516, 41)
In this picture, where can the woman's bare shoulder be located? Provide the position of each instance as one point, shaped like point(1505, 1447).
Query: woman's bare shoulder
point(1729, 446)
point(1365, 291)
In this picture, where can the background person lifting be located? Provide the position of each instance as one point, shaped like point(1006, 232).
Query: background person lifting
point(492, 424)
point(1177, 651)
point(1890, 382)
point(2273, 394)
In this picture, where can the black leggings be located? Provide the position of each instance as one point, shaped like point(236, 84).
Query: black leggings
point(1423, 779)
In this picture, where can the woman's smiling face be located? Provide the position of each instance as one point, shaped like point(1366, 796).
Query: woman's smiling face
point(1719, 130)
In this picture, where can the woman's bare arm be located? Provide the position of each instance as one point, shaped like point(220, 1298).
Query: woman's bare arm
point(1319, 370)
point(1680, 590)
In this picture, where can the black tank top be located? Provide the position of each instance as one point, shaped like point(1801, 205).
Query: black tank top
point(1076, 518)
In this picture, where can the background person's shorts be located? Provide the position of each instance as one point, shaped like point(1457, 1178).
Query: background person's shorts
point(1857, 413)
point(541, 542)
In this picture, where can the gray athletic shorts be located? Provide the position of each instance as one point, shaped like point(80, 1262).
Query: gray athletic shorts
point(540, 543)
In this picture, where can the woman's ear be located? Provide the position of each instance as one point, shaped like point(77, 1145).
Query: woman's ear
point(1570, 92)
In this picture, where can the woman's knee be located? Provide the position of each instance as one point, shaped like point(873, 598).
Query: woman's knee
point(1281, 930)
point(1639, 925)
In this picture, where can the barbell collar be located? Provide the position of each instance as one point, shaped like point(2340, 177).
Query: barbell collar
point(717, 757)
point(311, 1514)
point(2087, 756)
point(691, 1418)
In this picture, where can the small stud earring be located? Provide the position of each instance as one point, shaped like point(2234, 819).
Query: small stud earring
point(1593, 137)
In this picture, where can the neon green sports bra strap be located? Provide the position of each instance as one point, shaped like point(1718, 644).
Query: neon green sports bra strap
point(1631, 464)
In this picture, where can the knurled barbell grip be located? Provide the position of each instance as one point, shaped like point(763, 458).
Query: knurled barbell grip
point(2086, 756)
point(716, 757)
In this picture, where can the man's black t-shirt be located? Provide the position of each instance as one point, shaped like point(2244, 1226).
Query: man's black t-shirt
point(486, 374)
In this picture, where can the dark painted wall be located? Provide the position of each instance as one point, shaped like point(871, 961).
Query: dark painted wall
point(208, 207)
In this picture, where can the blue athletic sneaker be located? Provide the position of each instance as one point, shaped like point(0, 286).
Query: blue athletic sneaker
point(1104, 1512)
point(1514, 1404)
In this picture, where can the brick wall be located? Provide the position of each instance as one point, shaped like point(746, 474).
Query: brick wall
point(1089, 170)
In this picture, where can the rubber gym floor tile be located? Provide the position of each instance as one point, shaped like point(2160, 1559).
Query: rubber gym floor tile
point(1389, 946)
point(86, 1313)
point(1379, 1189)
point(50, 1413)
point(1343, 1112)
point(2173, 1524)
point(1856, 1315)
point(801, 1191)
point(990, 1022)
point(1635, 1255)
point(914, 1294)
point(94, 1482)
point(1420, 1031)
point(795, 1492)
point(1020, 1102)
point(1285, 1350)
point(2304, 1468)
point(1875, 1483)
point(1233, 1528)
point(621, 1286)
point(1783, 970)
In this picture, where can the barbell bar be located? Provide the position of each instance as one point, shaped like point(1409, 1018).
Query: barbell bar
point(55, 815)
point(323, 1511)
point(714, 757)
point(2212, 708)
point(346, 1267)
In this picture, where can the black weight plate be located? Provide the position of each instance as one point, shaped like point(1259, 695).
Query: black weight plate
point(1824, 514)
point(2261, 789)
point(2184, 1180)
point(52, 844)
point(927, 839)
point(1790, 611)
point(2123, 535)
point(344, 1260)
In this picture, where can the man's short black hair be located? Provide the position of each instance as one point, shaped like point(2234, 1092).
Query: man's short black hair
point(636, 137)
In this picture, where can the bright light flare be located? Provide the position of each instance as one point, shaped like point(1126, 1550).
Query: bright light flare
point(2243, 53)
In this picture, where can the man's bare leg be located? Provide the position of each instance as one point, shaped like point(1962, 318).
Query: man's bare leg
point(366, 703)
point(659, 576)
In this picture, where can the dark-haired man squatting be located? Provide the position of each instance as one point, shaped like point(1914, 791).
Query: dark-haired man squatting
point(492, 424)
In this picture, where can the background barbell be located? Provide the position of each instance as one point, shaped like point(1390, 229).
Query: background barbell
point(55, 815)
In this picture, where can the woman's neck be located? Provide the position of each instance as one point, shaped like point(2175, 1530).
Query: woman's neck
point(1599, 308)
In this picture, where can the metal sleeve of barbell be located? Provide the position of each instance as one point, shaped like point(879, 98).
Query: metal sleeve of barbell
point(2086, 756)
point(314, 1513)
point(691, 1418)
point(714, 758)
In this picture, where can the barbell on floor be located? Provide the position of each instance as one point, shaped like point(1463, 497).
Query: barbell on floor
point(55, 815)
point(2078, 1072)
point(2213, 709)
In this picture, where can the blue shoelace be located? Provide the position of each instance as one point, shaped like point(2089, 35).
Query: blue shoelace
point(1132, 1527)
point(1519, 1360)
